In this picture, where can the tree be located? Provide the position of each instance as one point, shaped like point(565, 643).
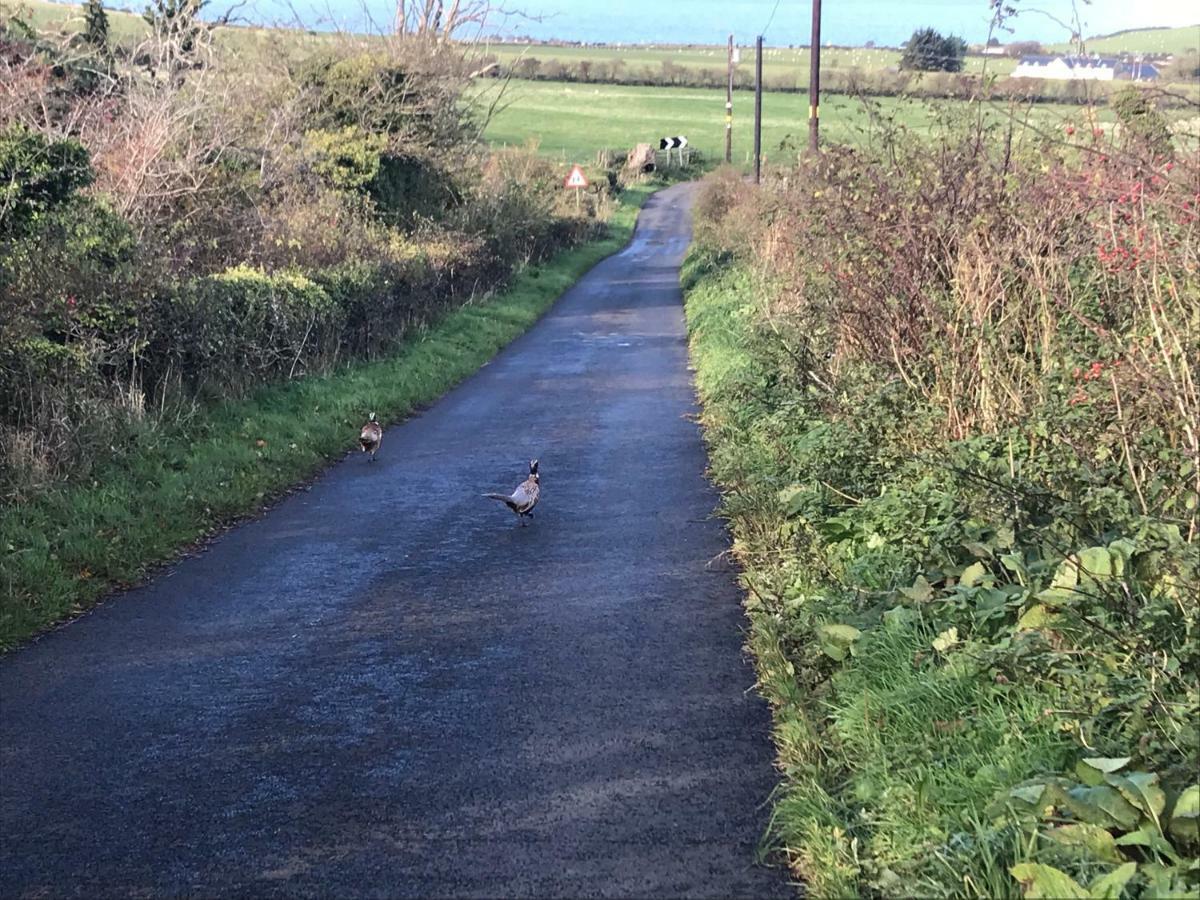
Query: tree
point(1026, 48)
point(929, 51)
point(95, 31)
point(178, 36)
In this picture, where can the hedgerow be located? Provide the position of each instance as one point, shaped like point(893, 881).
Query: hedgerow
point(183, 224)
point(950, 396)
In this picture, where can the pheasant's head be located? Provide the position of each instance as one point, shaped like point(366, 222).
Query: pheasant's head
point(533, 472)
point(371, 417)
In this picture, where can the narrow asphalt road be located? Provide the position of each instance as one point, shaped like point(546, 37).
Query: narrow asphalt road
point(385, 688)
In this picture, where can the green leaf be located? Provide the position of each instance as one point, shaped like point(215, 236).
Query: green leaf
point(920, 592)
point(793, 499)
point(836, 640)
point(1141, 790)
point(1096, 562)
point(1030, 793)
point(1122, 550)
point(1005, 537)
point(1015, 563)
point(1188, 804)
point(1185, 817)
point(1110, 886)
point(1162, 884)
point(839, 634)
point(1148, 836)
point(1088, 775)
point(946, 640)
point(1038, 880)
point(899, 617)
point(1098, 842)
point(1102, 805)
point(1066, 576)
point(1037, 616)
point(1106, 764)
point(1066, 579)
point(973, 574)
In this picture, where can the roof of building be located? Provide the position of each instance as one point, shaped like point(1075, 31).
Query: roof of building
point(1090, 62)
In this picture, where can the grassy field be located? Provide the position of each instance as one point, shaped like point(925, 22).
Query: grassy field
point(778, 62)
point(128, 29)
point(576, 121)
point(63, 551)
point(1184, 40)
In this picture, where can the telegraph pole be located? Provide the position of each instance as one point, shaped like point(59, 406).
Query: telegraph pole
point(814, 80)
point(729, 107)
point(758, 110)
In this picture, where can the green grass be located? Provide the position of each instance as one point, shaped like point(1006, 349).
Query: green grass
point(575, 121)
point(127, 29)
point(782, 66)
point(891, 763)
point(66, 549)
point(1185, 40)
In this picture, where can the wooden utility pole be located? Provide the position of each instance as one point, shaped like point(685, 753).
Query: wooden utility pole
point(758, 110)
point(729, 107)
point(814, 80)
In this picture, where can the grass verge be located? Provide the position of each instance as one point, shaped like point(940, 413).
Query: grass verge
point(64, 551)
point(920, 759)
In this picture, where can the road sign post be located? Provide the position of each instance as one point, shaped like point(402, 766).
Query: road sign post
point(577, 180)
point(679, 142)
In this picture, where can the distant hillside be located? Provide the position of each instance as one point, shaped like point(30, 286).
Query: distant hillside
point(127, 28)
point(1144, 40)
point(123, 25)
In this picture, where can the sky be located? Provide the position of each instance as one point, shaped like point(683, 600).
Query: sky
point(852, 22)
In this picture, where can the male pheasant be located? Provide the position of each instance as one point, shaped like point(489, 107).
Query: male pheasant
point(525, 497)
point(370, 437)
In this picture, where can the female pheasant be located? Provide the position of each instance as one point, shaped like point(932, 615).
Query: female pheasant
point(370, 437)
point(525, 497)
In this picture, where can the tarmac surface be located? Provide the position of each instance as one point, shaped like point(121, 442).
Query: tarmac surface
point(385, 687)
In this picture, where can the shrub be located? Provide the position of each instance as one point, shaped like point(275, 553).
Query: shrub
point(380, 95)
point(347, 159)
point(1145, 128)
point(37, 175)
point(245, 325)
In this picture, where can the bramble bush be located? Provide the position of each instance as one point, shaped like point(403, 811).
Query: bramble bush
point(950, 392)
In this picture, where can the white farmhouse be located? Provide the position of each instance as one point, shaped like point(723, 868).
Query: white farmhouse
point(1084, 68)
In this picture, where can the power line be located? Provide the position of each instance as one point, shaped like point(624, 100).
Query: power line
point(770, 19)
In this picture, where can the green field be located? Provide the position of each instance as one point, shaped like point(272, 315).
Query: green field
point(128, 29)
point(779, 63)
point(575, 121)
point(1184, 40)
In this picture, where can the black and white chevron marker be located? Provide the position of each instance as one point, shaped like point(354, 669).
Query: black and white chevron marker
point(672, 143)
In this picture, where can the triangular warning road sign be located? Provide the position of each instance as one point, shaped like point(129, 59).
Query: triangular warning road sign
point(576, 179)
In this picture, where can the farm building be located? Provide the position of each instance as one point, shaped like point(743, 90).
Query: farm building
point(1084, 68)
